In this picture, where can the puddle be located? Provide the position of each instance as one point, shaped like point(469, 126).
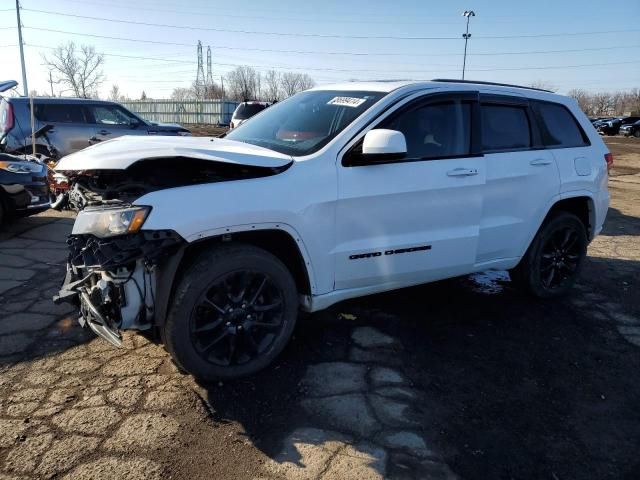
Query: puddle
point(489, 282)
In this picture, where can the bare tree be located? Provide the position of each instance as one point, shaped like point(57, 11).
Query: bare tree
point(114, 93)
point(292, 83)
point(79, 69)
point(212, 91)
point(180, 94)
point(543, 85)
point(602, 103)
point(243, 83)
point(306, 82)
point(583, 98)
point(272, 86)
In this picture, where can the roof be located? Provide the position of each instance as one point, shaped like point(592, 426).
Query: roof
point(60, 100)
point(388, 86)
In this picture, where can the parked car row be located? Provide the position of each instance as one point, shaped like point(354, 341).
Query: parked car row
point(626, 126)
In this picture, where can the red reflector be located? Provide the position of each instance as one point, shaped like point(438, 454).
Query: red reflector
point(609, 159)
point(6, 115)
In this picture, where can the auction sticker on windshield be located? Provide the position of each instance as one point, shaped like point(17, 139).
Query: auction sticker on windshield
point(347, 101)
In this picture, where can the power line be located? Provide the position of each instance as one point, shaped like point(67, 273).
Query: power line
point(316, 35)
point(135, 57)
point(351, 70)
point(244, 17)
point(316, 52)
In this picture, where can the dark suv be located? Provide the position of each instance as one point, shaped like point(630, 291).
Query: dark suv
point(73, 124)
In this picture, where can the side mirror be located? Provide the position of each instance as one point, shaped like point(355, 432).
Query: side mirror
point(381, 145)
point(134, 123)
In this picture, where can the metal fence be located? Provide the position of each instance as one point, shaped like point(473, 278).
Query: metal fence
point(208, 112)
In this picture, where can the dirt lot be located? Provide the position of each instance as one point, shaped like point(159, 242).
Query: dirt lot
point(464, 378)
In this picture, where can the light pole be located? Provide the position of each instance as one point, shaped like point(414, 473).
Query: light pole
point(24, 72)
point(466, 36)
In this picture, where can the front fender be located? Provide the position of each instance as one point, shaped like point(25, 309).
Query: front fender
point(282, 201)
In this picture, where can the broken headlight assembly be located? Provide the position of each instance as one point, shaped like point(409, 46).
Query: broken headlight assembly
point(110, 222)
point(22, 167)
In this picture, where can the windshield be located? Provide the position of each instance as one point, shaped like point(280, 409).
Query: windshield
point(306, 122)
point(247, 110)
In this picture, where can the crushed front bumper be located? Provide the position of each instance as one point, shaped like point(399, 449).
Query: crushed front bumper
point(115, 281)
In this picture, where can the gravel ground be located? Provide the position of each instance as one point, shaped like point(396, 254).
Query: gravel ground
point(464, 378)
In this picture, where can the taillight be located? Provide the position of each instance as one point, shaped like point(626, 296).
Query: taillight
point(6, 117)
point(608, 157)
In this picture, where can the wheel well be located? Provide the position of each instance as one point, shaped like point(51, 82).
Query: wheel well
point(581, 207)
point(277, 242)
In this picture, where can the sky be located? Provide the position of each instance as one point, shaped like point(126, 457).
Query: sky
point(566, 44)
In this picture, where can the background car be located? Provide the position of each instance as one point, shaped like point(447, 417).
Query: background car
point(24, 187)
point(74, 124)
point(245, 111)
point(612, 127)
point(631, 130)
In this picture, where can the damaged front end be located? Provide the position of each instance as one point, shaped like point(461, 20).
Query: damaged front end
point(119, 275)
point(117, 282)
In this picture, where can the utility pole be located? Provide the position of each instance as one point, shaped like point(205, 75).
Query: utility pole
point(24, 71)
point(466, 36)
point(51, 83)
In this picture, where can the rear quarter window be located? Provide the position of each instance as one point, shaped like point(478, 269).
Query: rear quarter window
point(59, 113)
point(558, 127)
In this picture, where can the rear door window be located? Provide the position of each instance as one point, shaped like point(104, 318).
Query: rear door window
point(248, 110)
point(558, 126)
point(60, 113)
point(505, 128)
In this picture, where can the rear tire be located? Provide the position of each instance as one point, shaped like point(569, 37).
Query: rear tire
point(554, 259)
point(233, 312)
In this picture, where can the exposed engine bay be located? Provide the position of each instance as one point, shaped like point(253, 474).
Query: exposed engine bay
point(114, 187)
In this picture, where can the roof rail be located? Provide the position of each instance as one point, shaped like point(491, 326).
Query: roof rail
point(452, 80)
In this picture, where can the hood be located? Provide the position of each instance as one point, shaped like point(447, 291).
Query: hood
point(168, 126)
point(122, 152)
point(7, 85)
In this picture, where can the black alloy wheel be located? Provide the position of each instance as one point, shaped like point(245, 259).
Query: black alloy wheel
point(554, 259)
point(559, 257)
point(233, 311)
point(237, 318)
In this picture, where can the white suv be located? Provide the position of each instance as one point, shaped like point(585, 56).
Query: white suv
point(337, 192)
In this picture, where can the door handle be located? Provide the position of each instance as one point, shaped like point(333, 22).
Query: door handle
point(540, 161)
point(462, 172)
point(104, 132)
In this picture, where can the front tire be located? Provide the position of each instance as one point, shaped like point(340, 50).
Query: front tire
point(636, 134)
point(233, 312)
point(555, 257)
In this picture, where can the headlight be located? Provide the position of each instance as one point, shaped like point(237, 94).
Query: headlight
point(21, 167)
point(103, 222)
